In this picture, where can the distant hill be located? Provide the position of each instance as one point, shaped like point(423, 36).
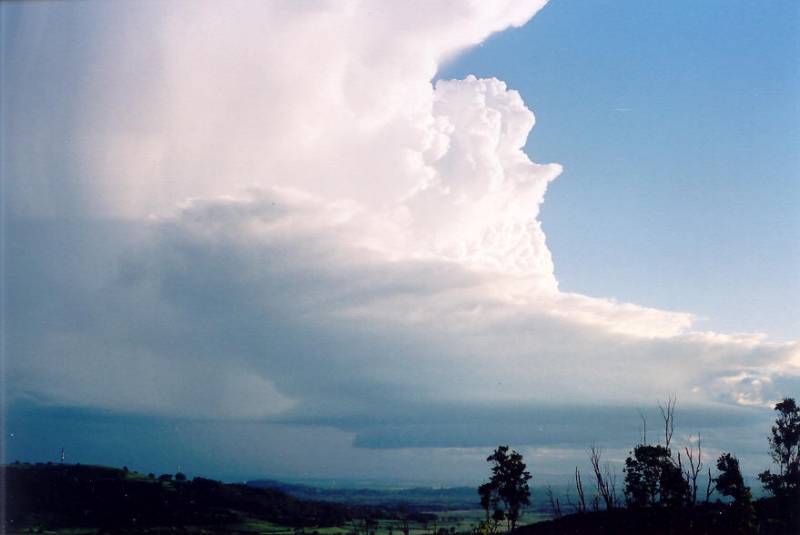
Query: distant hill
point(419, 498)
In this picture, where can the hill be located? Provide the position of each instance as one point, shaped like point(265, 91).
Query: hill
point(418, 498)
point(62, 495)
point(717, 518)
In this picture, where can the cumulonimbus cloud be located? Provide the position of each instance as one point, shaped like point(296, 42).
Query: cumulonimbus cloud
point(274, 199)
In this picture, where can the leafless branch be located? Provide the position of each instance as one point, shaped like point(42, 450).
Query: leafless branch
point(555, 505)
point(644, 427)
point(668, 415)
point(568, 499)
point(611, 478)
point(710, 486)
point(603, 484)
point(695, 458)
point(579, 488)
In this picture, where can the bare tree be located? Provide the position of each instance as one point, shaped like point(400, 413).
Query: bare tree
point(710, 486)
point(555, 505)
point(603, 483)
point(568, 499)
point(695, 458)
point(579, 488)
point(611, 480)
point(644, 427)
point(668, 415)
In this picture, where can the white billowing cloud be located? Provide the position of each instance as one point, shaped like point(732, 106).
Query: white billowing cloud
point(197, 99)
point(481, 204)
point(307, 229)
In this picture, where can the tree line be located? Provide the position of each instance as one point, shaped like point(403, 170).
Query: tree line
point(661, 479)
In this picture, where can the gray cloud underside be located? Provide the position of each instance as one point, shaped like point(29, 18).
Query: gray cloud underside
point(210, 315)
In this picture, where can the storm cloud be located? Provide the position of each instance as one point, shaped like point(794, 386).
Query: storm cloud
point(266, 212)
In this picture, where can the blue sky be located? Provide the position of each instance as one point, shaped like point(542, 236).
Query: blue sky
point(291, 240)
point(678, 125)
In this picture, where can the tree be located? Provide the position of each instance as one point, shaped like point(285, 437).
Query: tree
point(784, 444)
point(731, 483)
point(555, 504)
point(652, 477)
point(606, 483)
point(668, 415)
point(581, 507)
point(489, 499)
point(507, 491)
point(695, 466)
point(180, 476)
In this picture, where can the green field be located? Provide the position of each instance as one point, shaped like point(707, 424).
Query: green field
point(460, 522)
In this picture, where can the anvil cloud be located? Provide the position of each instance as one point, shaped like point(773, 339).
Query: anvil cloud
point(266, 210)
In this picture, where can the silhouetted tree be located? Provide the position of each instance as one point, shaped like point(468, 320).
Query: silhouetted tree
point(668, 415)
point(555, 504)
point(784, 446)
point(731, 483)
point(709, 486)
point(643, 431)
point(651, 477)
point(490, 501)
point(581, 506)
point(606, 482)
point(508, 486)
point(695, 459)
point(180, 476)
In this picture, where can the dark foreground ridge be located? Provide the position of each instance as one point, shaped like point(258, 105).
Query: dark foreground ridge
point(114, 500)
point(773, 518)
point(56, 498)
